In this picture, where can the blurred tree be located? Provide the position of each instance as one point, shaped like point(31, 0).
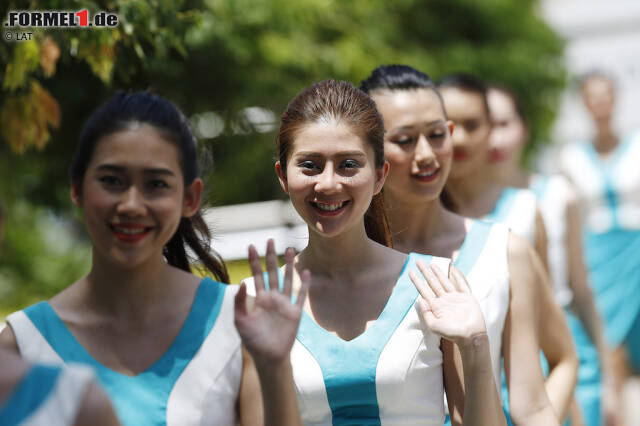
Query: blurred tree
point(232, 65)
point(226, 55)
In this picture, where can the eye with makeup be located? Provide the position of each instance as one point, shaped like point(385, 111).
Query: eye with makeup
point(308, 165)
point(437, 134)
point(471, 125)
point(350, 164)
point(402, 140)
point(157, 184)
point(111, 181)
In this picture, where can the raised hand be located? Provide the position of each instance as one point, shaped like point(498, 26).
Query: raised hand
point(447, 305)
point(268, 326)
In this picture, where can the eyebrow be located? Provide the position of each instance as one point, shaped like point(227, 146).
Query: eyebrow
point(339, 154)
point(406, 128)
point(149, 170)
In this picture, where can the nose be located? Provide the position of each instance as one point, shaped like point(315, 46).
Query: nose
point(423, 153)
point(328, 181)
point(131, 202)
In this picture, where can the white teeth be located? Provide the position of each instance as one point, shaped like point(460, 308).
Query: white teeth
point(129, 231)
point(427, 174)
point(330, 207)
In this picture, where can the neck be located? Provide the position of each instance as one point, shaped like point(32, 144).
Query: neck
point(339, 256)
point(127, 292)
point(475, 194)
point(512, 174)
point(606, 139)
point(416, 226)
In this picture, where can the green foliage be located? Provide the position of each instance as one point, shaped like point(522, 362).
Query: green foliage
point(40, 256)
point(223, 56)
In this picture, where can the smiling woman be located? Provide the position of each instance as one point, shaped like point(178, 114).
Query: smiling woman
point(368, 350)
point(162, 341)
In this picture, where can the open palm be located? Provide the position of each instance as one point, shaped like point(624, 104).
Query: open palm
point(447, 305)
point(268, 324)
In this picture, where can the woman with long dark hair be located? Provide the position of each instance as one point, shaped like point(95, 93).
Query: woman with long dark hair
point(161, 340)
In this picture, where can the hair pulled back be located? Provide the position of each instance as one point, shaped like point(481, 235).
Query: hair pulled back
point(340, 102)
point(127, 109)
point(399, 77)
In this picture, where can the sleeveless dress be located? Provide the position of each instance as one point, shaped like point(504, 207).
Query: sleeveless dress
point(610, 193)
point(483, 260)
point(46, 396)
point(390, 375)
point(196, 381)
point(552, 193)
point(516, 208)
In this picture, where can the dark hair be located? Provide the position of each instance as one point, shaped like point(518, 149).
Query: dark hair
point(466, 82)
point(120, 112)
point(399, 77)
point(342, 102)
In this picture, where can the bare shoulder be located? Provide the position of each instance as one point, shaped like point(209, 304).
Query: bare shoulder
point(96, 410)
point(390, 257)
point(8, 340)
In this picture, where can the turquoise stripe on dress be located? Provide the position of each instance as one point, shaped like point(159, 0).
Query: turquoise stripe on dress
point(30, 393)
point(472, 246)
point(349, 367)
point(503, 205)
point(140, 399)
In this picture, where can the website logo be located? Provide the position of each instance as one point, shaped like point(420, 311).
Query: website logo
point(19, 20)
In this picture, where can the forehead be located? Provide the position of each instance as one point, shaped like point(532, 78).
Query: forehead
point(137, 146)
point(401, 108)
point(462, 104)
point(328, 138)
point(500, 105)
point(597, 85)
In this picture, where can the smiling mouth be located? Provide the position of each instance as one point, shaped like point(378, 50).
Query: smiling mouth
point(426, 176)
point(329, 209)
point(130, 233)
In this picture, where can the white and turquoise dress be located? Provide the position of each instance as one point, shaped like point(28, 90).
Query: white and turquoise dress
point(516, 208)
point(553, 194)
point(483, 259)
point(46, 396)
point(610, 193)
point(195, 382)
point(390, 375)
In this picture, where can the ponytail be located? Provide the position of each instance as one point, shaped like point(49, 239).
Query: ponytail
point(376, 223)
point(194, 233)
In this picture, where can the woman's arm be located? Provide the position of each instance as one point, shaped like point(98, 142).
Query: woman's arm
point(541, 242)
point(8, 340)
point(250, 405)
point(528, 400)
point(556, 343)
point(585, 306)
point(452, 371)
point(450, 310)
point(268, 325)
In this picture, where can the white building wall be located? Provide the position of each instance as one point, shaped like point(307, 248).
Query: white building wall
point(600, 35)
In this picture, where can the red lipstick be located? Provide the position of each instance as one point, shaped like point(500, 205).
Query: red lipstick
point(130, 232)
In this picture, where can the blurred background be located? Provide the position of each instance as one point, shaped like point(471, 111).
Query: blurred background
point(232, 66)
